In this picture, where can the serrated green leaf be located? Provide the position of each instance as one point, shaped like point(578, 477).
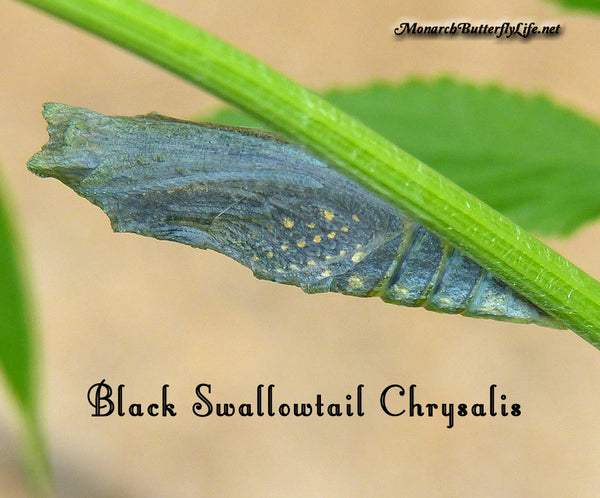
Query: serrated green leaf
point(533, 160)
point(593, 5)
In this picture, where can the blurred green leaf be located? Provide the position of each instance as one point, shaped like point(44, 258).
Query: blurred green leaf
point(15, 327)
point(17, 351)
point(593, 5)
point(531, 159)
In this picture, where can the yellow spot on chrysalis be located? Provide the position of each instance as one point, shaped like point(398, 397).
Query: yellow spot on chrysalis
point(355, 218)
point(293, 267)
point(279, 270)
point(270, 254)
point(356, 281)
point(301, 243)
point(328, 257)
point(358, 246)
point(328, 215)
point(287, 223)
point(357, 256)
point(326, 273)
point(311, 225)
point(401, 290)
point(342, 253)
point(255, 258)
point(331, 235)
point(317, 238)
point(310, 262)
point(284, 247)
point(344, 229)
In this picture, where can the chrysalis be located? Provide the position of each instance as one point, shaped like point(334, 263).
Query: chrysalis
point(268, 205)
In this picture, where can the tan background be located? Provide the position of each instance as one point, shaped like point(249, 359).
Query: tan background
point(143, 313)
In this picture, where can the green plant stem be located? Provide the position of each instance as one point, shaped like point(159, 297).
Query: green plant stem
point(492, 240)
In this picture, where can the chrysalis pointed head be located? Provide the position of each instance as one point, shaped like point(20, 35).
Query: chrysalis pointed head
point(69, 154)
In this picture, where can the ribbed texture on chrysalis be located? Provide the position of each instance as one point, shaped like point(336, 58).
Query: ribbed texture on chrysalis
point(270, 206)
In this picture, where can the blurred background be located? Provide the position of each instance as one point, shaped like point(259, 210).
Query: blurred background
point(144, 313)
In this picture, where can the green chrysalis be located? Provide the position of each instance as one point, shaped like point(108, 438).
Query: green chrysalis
point(270, 206)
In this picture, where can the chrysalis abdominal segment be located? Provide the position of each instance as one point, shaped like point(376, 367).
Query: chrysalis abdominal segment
point(268, 205)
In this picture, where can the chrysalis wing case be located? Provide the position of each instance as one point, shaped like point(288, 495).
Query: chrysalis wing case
point(268, 205)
